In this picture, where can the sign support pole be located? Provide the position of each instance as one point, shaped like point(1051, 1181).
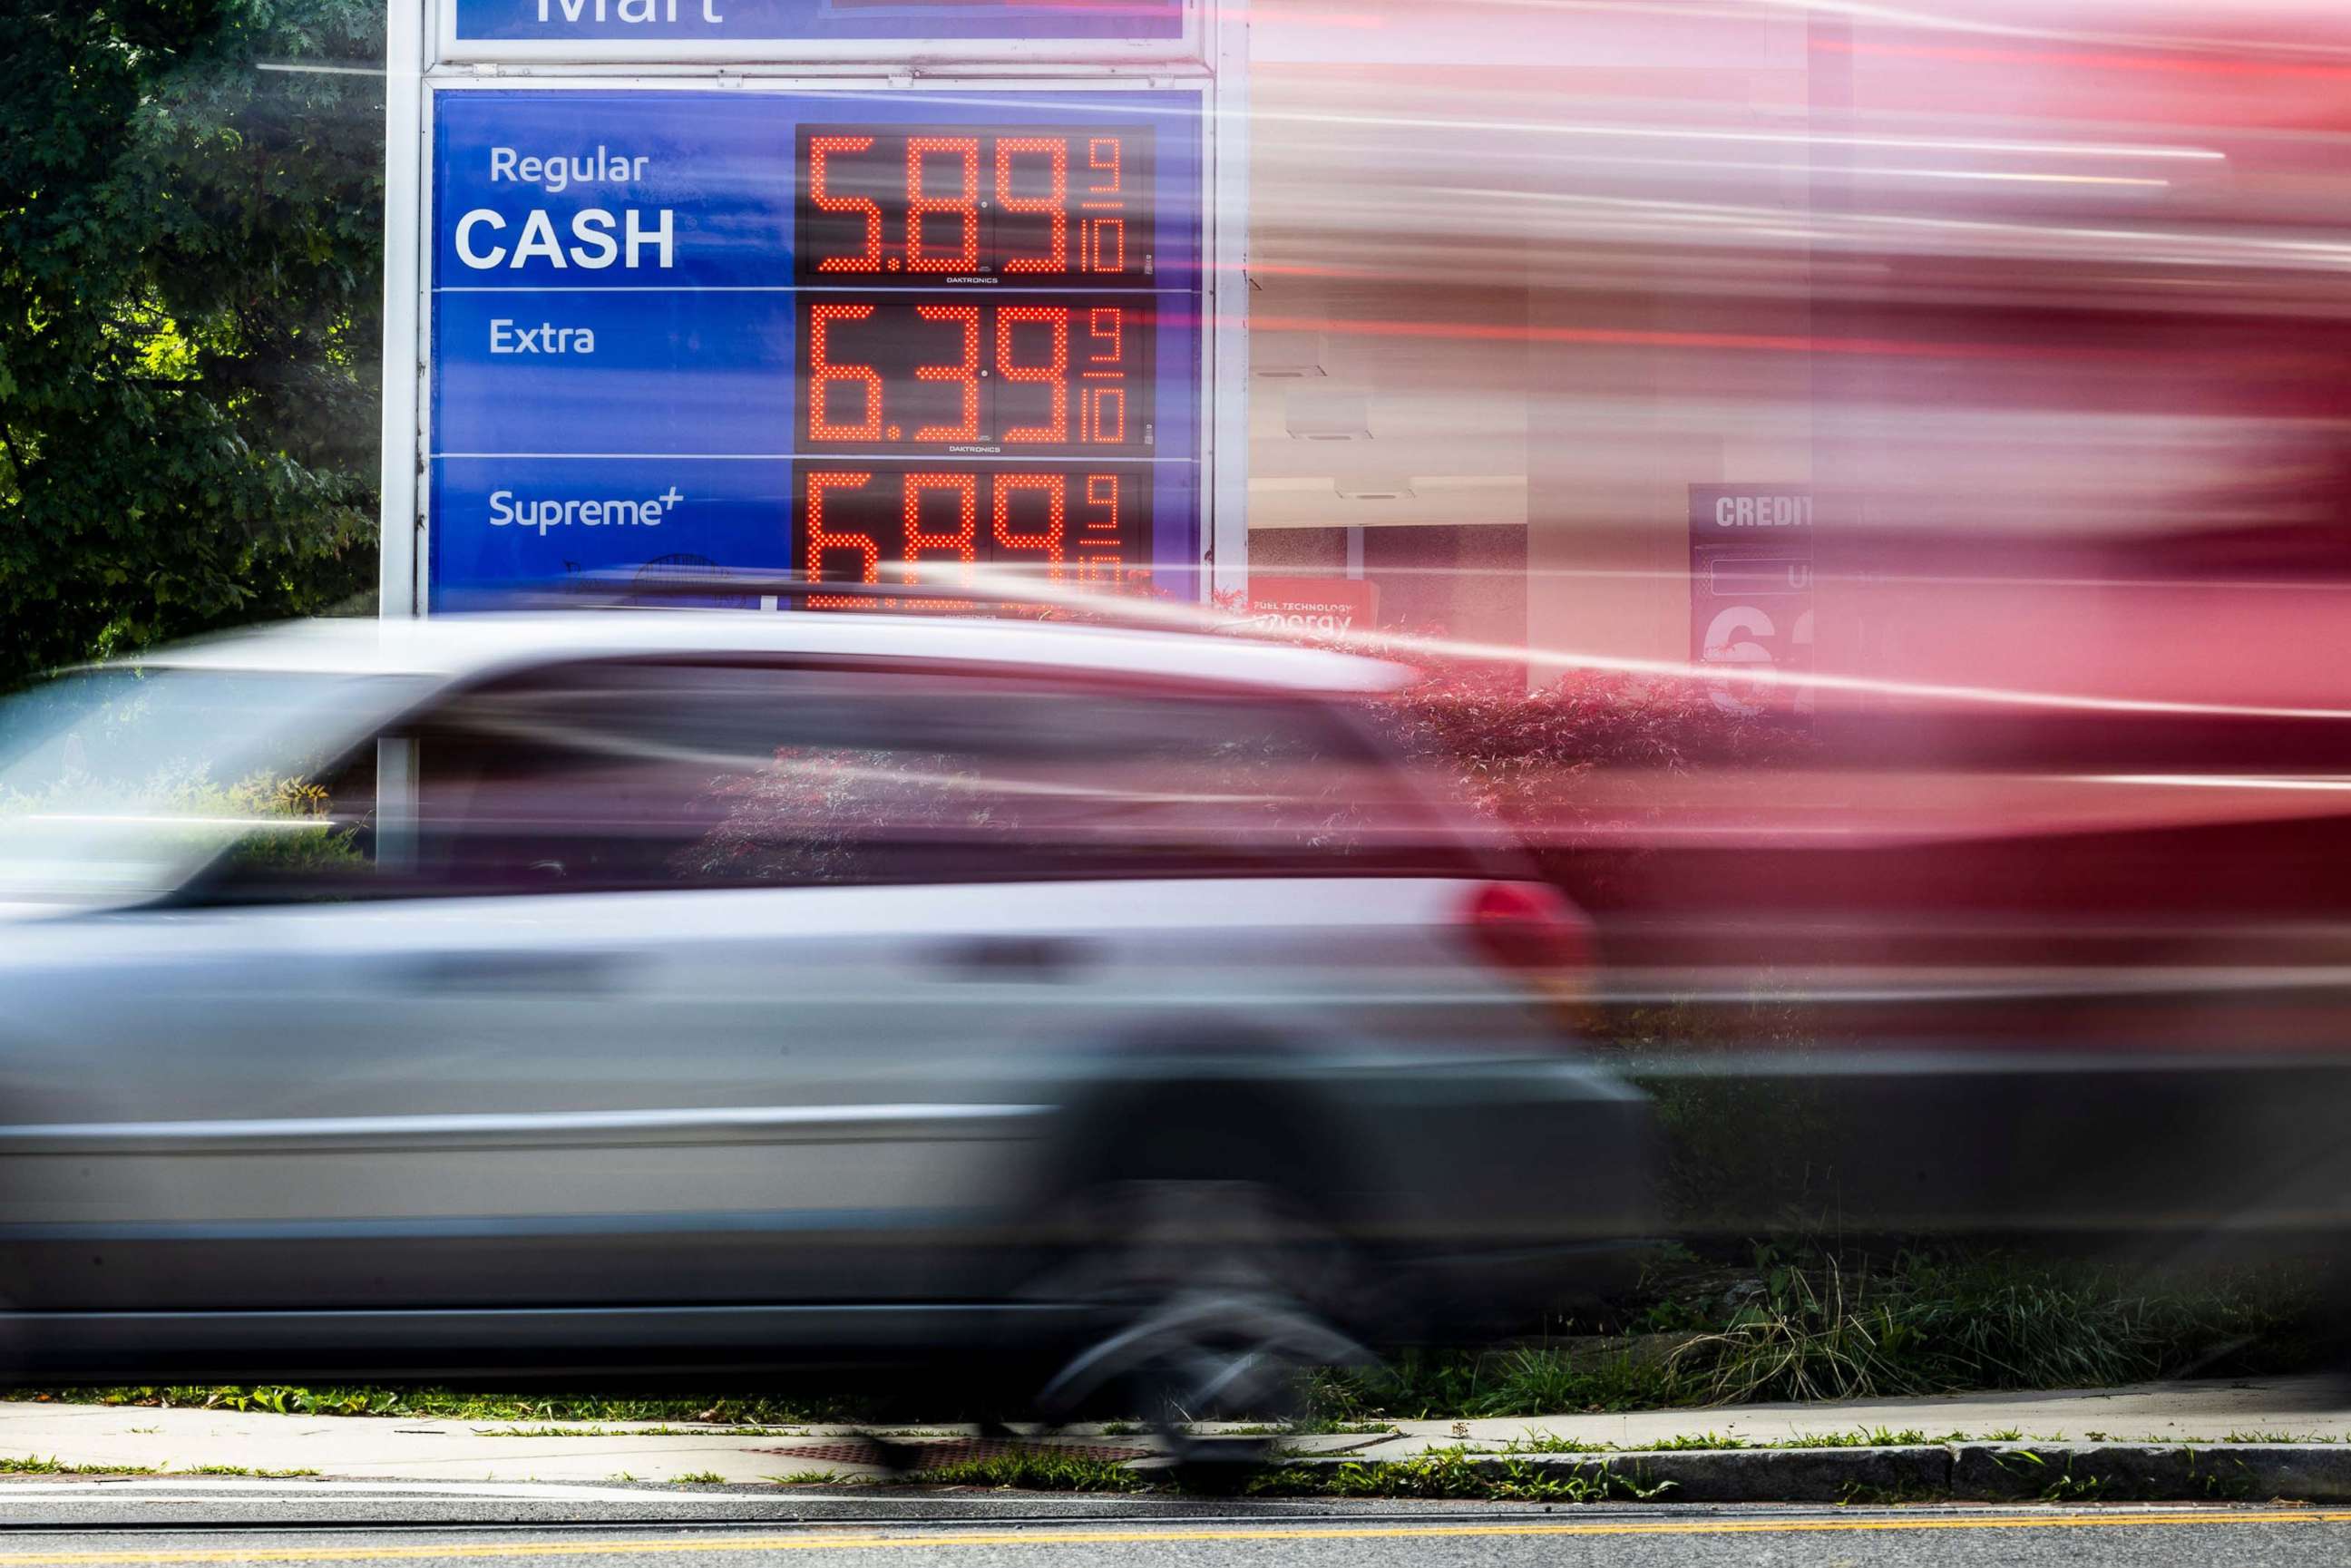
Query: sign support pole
point(404, 167)
point(397, 590)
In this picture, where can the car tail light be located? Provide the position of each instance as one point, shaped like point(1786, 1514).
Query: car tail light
point(1530, 929)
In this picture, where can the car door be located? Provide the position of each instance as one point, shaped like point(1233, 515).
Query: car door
point(557, 1058)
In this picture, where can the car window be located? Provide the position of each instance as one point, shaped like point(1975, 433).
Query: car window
point(116, 784)
point(626, 775)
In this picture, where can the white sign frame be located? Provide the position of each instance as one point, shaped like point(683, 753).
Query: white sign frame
point(954, 54)
point(408, 252)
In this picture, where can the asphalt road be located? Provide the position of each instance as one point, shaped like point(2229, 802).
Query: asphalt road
point(52, 1527)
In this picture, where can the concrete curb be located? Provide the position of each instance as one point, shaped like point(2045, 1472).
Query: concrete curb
point(1974, 1472)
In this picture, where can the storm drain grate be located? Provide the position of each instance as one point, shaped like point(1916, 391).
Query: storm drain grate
point(930, 1453)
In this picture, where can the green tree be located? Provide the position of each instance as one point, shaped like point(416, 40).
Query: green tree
point(191, 266)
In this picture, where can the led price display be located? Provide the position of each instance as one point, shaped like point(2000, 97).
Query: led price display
point(1033, 375)
point(1076, 525)
point(745, 329)
point(1036, 206)
point(961, 298)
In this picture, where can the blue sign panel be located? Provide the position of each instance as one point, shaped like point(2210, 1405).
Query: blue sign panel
point(711, 21)
point(871, 336)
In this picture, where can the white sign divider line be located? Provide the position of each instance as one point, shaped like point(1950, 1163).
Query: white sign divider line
point(967, 290)
point(932, 459)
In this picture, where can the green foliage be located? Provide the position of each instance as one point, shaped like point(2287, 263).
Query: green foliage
point(310, 845)
point(1861, 1437)
point(1037, 1470)
point(450, 1403)
point(1696, 1442)
point(1458, 1473)
point(1819, 1325)
point(33, 1465)
point(190, 279)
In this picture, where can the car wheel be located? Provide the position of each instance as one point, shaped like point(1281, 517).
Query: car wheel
point(1211, 1297)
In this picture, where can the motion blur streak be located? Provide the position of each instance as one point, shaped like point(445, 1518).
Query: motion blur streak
point(1546, 659)
point(2095, 62)
point(1600, 335)
point(1822, 539)
point(1983, 787)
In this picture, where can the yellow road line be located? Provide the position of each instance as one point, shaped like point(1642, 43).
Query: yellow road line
point(1048, 1536)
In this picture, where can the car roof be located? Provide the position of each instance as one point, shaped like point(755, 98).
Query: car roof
point(464, 647)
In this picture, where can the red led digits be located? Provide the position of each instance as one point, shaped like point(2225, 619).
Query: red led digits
point(966, 371)
point(1101, 241)
point(1101, 244)
point(1102, 396)
point(964, 541)
point(1102, 414)
point(824, 373)
point(1053, 205)
point(927, 203)
point(1047, 542)
point(1101, 552)
point(964, 207)
point(1053, 375)
point(887, 370)
point(820, 149)
point(819, 540)
point(1106, 331)
point(1107, 160)
point(934, 524)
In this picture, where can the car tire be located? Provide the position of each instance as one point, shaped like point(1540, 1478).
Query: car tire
point(1208, 1299)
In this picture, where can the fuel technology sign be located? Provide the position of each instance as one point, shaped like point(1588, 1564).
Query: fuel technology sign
point(878, 331)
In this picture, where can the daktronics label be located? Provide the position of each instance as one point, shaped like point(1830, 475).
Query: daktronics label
point(879, 336)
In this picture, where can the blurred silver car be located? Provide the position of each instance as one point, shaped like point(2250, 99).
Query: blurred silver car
point(659, 989)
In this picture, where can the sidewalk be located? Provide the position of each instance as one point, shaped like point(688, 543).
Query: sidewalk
point(2288, 1409)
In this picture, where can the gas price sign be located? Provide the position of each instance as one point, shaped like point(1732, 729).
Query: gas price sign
point(876, 338)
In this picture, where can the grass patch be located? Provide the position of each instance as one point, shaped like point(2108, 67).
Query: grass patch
point(1859, 1438)
point(702, 1477)
point(1456, 1473)
point(1032, 1470)
point(1552, 1443)
point(1701, 1441)
point(33, 1465)
point(1803, 1324)
point(243, 1471)
point(1711, 1442)
point(705, 1410)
